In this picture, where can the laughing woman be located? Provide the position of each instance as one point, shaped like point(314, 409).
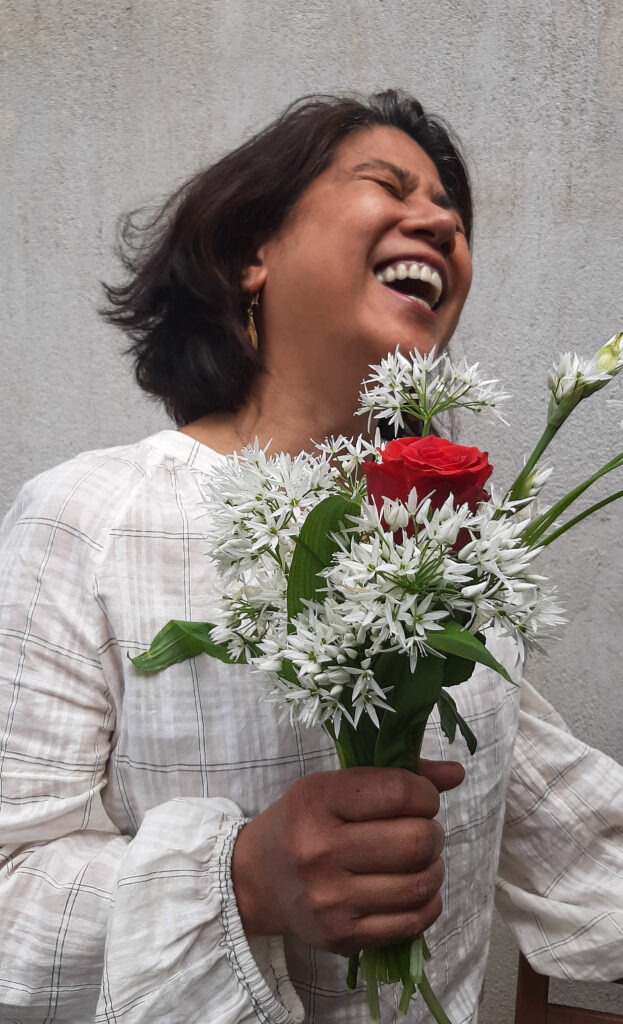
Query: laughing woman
point(172, 851)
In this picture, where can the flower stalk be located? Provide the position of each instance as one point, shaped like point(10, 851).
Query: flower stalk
point(534, 532)
point(555, 534)
point(520, 487)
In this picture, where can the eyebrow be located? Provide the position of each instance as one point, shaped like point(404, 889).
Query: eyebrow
point(407, 180)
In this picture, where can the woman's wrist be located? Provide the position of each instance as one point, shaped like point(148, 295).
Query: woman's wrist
point(250, 893)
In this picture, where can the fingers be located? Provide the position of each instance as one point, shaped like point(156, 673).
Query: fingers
point(394, 846)
point(348, 935)
point(443, 774)
point(365, 794)
point(386, 929)
point(394, 894)
point(359, 911)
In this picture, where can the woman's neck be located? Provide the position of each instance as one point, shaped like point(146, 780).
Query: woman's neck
point(287, 417)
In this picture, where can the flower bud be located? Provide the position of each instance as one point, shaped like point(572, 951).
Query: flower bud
point(448, 373)
point(395, 515)
point(609, 359)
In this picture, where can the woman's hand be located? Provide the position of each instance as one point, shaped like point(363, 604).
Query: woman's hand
point(346, 860)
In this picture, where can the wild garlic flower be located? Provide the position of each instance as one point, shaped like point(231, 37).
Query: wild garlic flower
point(422, 386)
point(573, 372)
point(394, 581)
point(257, 504)
point(346, 455)
point(574, 378)
point(531, 622)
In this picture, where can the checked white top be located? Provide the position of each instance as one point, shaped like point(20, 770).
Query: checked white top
point(122, 794)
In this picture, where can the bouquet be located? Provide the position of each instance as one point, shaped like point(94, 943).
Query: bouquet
point(364, 579)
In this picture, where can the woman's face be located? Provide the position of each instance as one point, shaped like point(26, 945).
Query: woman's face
point(373, 256)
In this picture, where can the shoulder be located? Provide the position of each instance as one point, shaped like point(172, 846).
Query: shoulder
point(87, 495)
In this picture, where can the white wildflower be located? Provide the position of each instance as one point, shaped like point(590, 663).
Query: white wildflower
point(348, 454)
point(367, 695)
point(422, 387)
point(537, 479)
point(257, 504)
point(395, 515)
point(572, 373)
point(574, 378)
point(531, 621)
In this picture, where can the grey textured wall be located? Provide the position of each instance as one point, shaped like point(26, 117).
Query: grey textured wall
point(106, 105)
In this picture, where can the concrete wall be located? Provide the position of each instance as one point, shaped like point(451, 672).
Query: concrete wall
point(106, 105)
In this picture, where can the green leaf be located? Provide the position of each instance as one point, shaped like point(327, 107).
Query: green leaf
point(413, 697)
point(450, 718)
point(457, 670)
point(314, 549)
point(453, 639)
point(178, 641)
point(356, 746)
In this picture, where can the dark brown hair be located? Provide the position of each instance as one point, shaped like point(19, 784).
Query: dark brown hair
point(182, 304)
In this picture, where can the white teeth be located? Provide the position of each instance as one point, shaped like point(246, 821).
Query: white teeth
point(420, 302)
point(415, 272)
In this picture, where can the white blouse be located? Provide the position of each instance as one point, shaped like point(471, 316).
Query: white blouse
point(121, 795)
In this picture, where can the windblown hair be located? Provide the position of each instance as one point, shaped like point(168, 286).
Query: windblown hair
point(182, 304)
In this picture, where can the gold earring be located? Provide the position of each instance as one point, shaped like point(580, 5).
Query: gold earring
point(251, 328)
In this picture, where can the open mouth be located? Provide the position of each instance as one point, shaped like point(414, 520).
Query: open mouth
point(416, 280)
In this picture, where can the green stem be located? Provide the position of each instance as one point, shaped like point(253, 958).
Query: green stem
point(353, 970)
point(418, 739)
point(432, 1002)
point(578, 519)
point(403, 962)
point(544, 441)
point(416, 958)
point(368, 973)
point(543, 523)
point(405, 999)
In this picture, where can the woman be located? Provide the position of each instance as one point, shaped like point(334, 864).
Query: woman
point(165, 838)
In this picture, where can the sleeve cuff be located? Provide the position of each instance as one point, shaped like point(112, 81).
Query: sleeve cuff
point(259, 965)
point(176, 948)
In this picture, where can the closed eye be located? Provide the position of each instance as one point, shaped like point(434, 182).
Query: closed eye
point(392, 187)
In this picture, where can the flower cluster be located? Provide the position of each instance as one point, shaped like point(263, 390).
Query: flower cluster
point(257, 504)
point(421, 387)
point(394, 579)
point(573, 377)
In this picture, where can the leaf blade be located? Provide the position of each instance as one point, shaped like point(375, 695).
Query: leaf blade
point(314, 549)
point(178, 641)
point(453, 639)
point(449, 719)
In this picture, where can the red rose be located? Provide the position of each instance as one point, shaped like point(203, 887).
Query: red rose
point(431, 465)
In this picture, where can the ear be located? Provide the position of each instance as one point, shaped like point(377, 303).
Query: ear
point(253, 277)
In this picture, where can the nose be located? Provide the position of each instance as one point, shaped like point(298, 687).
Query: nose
point(435, 223)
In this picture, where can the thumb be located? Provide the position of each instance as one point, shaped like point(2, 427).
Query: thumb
point(443, 774)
